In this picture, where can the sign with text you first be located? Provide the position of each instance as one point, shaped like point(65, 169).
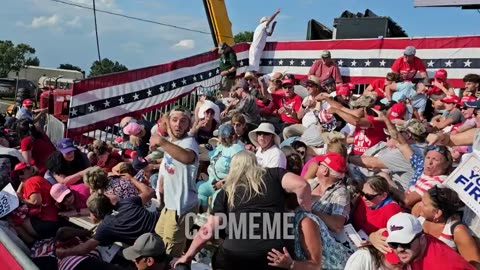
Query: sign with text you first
point(465, 180)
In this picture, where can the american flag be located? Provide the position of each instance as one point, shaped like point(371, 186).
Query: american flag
point(102, 101)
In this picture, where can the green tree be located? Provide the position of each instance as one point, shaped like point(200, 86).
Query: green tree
point(106, 66)
point(14, 57)
point(245, 36)
point(69, 67)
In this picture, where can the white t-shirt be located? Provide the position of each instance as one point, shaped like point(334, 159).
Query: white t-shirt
point(310, 118)
point(179, 179)
point(361, 260)
point(272, 158)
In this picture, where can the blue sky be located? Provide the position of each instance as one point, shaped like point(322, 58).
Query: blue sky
point(64, 34)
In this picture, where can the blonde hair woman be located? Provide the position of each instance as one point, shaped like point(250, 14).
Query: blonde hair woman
point(250, 188)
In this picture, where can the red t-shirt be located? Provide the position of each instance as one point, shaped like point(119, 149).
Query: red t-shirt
point(81, 193)
point(295, 103)
point(113, 159)
point(371, 220)
point(379, 87)
point(39, 185)
point(364, 138)
point(324, 72)
point(408, 71)
point(41, 149)
point(439, 256)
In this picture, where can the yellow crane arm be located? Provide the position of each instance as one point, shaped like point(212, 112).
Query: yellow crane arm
point(220, 24)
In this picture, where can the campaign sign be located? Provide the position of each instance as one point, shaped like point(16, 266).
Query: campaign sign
point(465, 180)
point(8, 200)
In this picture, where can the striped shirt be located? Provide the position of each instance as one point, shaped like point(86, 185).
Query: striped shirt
point(46, 248)
point(425, 182)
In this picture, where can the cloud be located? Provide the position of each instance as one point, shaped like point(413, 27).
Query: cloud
point(185, 44)
point(42, 21)
point(75, 22)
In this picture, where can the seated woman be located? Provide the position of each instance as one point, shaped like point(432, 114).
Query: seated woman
point(139, 136)
point(97, 179)
point(245, 190)
point(102, 156)
point(208, 121)
point(67, 165)
point(34, 191)
point(71, 201)
point(219, 163)
point(439, 217)
point(35, 145)
point(242, 128)
point(129, 221)
point(267, 141)
point(315, 248)
point(375, 207)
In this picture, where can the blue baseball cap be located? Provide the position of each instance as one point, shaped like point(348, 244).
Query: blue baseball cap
point(65, 146)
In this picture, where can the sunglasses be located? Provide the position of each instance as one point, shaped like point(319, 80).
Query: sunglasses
point(301, 152)
point(369, 196)
point(402, 245)
point(441, 149)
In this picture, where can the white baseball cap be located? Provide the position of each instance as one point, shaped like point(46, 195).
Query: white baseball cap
point(402, 228)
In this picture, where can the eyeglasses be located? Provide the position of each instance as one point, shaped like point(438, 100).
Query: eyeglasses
point(369, 196)
point(402, 245)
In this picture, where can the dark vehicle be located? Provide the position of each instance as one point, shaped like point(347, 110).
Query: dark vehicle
point(23, 89)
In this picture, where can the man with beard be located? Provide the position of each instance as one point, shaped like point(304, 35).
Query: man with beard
point(177, 172)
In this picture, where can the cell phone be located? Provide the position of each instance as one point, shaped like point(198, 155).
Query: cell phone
point(209, 147)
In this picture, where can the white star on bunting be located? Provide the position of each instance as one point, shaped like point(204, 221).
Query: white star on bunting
point(162, 88)
point(201, 77)
point(106, 103)
point(217, 71)
point(270, 62)
point(280, 62)
point(367, 63)
point(448, 63)
point(195, 78)
point(354, 63)
point(184, 81)
point(467, 63)
point(209, 74)
point(241, 63)
point(121, 100)
point(303, 62)
point(340, 62)
point(174, 85)
point(382, 63)
point(91, 108)
point(73, 112)
point(149, 92)
point(430, 64)
point(135, 97)
point(292, 62)
point(108, 128)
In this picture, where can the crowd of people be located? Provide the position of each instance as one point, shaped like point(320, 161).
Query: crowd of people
point(256, 149)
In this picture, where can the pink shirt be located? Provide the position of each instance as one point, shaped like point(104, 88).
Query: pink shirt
point(81, 193)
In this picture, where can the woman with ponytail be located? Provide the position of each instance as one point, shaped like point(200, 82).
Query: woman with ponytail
point(439, 215)
point(119, 185)
point(35, 145)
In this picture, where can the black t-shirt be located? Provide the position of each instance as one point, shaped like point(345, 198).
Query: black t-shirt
point(272, 201)
point(130, 220)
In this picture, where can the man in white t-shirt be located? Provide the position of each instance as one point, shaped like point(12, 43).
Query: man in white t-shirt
point(177, 172)
point(259, 41)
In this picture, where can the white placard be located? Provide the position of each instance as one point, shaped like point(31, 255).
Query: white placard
point(8, 200)
point(344, 238)
point(465, 180)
